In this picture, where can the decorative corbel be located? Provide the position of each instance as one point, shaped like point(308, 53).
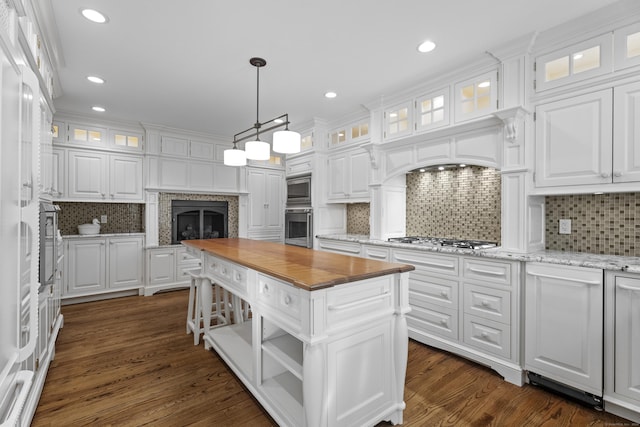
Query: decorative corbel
point(510, 119)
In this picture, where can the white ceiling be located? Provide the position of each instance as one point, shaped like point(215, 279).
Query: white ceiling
point(185, 64)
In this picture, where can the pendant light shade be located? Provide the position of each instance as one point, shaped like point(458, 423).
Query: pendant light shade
point(286, 142)
point(257, 150)
point(235, 157)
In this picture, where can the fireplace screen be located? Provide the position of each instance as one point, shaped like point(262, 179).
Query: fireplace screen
point(198, 220)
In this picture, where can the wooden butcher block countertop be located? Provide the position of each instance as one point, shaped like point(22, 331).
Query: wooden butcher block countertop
point(305, 268)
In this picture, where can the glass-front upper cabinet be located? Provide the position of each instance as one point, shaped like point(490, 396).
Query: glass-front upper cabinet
point(357, 131)
point(397, 120)
point(574, 63)
point(86, 135)
point(432, 110)
point(476, 97)
point(627, 46)
point(127, 140)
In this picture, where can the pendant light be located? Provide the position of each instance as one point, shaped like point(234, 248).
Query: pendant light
point(284, 141)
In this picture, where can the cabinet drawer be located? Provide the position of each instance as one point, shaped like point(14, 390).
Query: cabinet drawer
point(350, 304)
point(494, 272)
point(427, 318)
point(340, 247)
point(231, 276)
point(182, 272)
point(434, 290)
point(426, 262)
point(280, 298)
point(489, 303)
point(187, 256)
point(488, 336)
point(375, 252)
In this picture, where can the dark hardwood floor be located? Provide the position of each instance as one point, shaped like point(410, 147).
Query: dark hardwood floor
point(129, 362)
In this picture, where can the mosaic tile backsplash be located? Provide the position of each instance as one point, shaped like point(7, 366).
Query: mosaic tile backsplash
point(461, 203)
point(164, 212)
point(607, 224)
point(121, 217)
point(358, 218)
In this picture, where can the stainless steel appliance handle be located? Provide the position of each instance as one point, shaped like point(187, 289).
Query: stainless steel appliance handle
point(309, 230)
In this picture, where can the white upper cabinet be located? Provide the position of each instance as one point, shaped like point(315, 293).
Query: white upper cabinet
point(574, 63)
point(355, 132)
point(432, 110)
point(398, 120)
point(476, 97)
point(626, 133)
point(349, 176)
point(100, 176)
point(627, 46)
point(574, 140)
point(589, 139)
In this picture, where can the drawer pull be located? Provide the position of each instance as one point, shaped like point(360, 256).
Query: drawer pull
point(443, 322)
point(490, 273)
point(356, 303)
point(484, 335)
point(436, 264)
point(485, 303)
point(287, 300)
point(265, 288)
point(444, 294)
point(566, 279)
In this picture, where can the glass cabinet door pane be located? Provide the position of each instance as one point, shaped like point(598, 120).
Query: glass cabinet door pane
point(633, 45)
point(556, 69)
point(586, 60)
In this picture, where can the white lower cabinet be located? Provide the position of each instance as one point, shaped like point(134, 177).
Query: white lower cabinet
point(99, 265)
point(622, 345)
point(266, 204)
point(467, 305)
point(168, 267)
point(563, 325)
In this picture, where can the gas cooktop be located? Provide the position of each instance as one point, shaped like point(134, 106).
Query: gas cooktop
point(440, 241)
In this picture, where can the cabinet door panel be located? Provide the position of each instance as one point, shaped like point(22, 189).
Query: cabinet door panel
point(125, 262)
point(86, 261)
point(574, 140)
point(258, 198)
point(359, 167)
point(162, 266)
point(274, 215)
point(627, 337)
point(337, 177)
point(626, 146)
point(126, 178)
point(563, 324)
point(87, 175)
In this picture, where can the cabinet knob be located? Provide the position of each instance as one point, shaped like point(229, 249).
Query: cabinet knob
point(265, 288)
point(484, 335)
point(485, 303)
point(443, 322)
point(102, 194)
point(618, 174)
point(605, 174)
point(444, 294)
point(112, 196)
point(287, 300)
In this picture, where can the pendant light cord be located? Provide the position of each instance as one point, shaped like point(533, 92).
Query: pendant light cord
point(257, 125)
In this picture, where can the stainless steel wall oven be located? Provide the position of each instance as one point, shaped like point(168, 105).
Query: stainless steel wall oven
point(298, 227)
point(299, 191)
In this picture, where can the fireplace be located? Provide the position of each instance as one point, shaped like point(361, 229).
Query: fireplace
point(197, 219)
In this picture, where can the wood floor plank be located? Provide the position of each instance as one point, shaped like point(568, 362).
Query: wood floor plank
point(128, 362)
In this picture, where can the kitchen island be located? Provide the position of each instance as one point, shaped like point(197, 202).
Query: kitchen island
point(326, 342)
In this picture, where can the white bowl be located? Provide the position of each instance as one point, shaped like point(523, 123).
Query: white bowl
point(89, 229)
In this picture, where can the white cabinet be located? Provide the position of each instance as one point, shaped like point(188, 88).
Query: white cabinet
point(168, 173)
point(103, 264)
point(626, 133)
point(398, 120)
point(86, 266)
point(563, 324)
point(476, 97)
point(589, 139)
point(622, 345)
point(168, 268)
point(266, 204)
point(58, 186)
point(100, 176)
point(349, 176)
point(574, 140)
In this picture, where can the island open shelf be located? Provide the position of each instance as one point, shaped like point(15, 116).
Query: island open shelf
point(326, 343)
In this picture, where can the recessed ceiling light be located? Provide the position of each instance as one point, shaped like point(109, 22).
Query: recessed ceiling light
point(426, 46)
point(330, 95)
point(94, 16)
point(95, 79)
point(462, 165)
point(440, 168)
point(423, 170)
point(98, 109)
point(485, 83)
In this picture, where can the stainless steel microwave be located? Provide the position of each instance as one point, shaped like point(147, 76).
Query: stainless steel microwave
point(299, 191)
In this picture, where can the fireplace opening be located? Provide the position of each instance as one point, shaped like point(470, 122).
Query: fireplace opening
point(196, 219)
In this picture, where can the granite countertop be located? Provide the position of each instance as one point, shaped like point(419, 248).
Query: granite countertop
point(90, 236)
point(605, 262)
point(304, 268)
